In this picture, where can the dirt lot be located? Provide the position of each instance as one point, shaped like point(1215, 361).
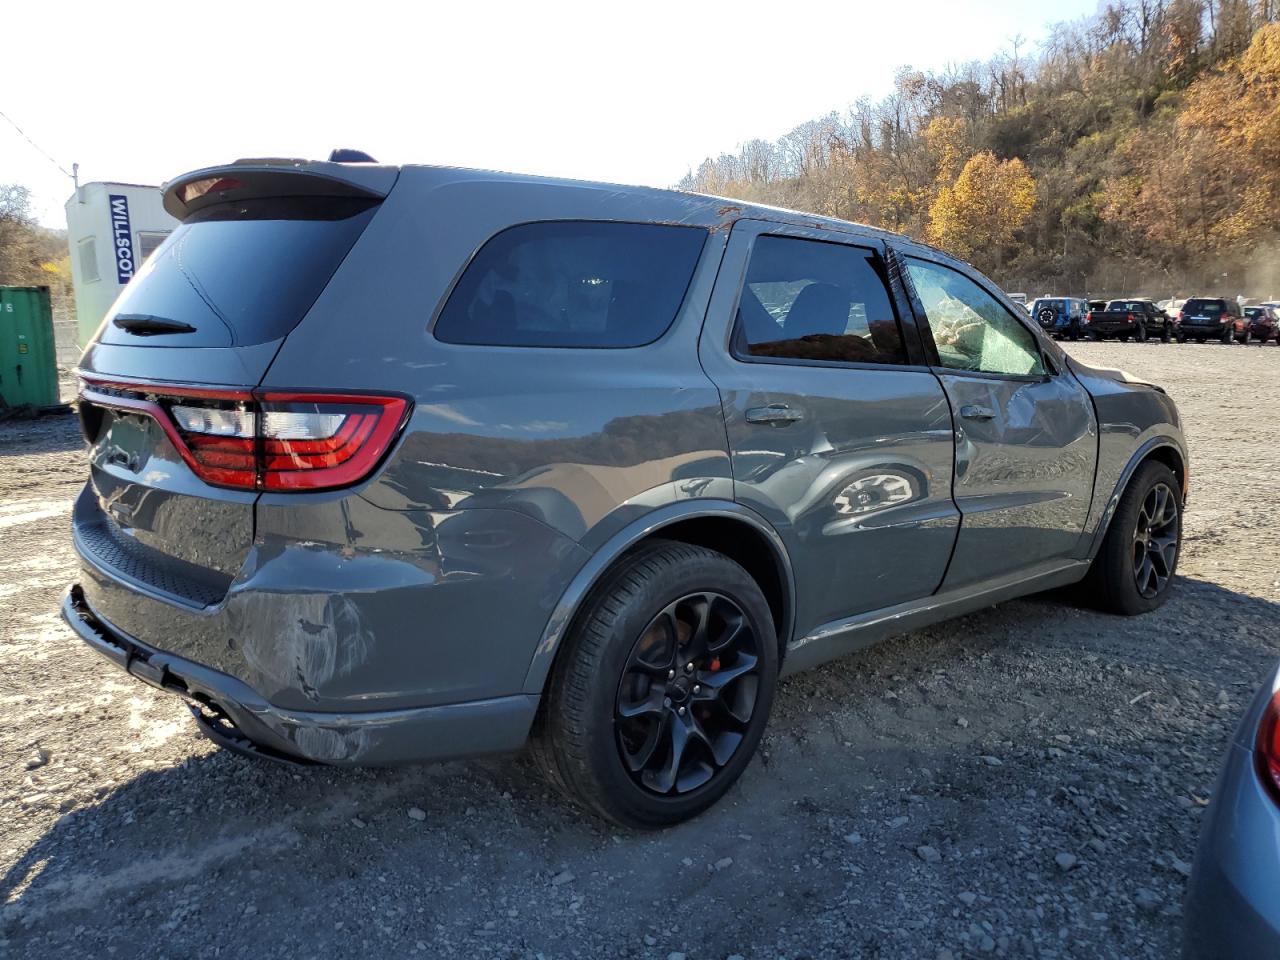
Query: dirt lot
point(1002, 741)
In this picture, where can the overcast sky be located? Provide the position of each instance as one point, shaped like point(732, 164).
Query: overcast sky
point(634, 92)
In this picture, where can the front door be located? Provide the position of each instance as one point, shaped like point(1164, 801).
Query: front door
point(839, 433)
point(1026, 434)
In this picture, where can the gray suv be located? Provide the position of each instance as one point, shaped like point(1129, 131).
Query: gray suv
point(394, 464)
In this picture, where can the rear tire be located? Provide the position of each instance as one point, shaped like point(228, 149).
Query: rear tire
point(1166, 335)
point(1139, 555)
point(1227, 335)
point(639, 724)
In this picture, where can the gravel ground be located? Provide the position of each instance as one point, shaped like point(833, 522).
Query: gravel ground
point(1026, 781)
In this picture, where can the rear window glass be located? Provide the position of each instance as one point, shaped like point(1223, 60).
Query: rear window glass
point(238, 274)
point(1131, 306)
point(573, 284)
point(1203, 306)
point(1039, 305)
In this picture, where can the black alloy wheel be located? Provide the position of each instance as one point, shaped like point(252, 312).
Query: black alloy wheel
point(1136, 561)
point(661, 694)
point(687, 693)
point(1155, 541)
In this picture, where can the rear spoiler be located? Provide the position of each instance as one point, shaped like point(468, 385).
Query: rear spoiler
point(252, 179)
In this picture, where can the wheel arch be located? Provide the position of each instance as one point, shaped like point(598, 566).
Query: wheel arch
point(727, 527)
point(1160, 449)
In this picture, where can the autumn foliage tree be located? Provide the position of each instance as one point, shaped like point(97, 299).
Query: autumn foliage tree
point(1137, 153)
point(984, 210)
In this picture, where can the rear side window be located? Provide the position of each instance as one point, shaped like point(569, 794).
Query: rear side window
point(812, 300)
point(238, 273)
point(573, 284)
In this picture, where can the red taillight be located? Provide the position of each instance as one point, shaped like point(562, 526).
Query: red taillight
point(1088, 317)
point(1267, 748)
point(265, 439)
point(1130, 318)
point(312, 441)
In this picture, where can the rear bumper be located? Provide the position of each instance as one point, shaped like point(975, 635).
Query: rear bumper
point(1112, 329)
point(1203, 329)
point(1231, 909)
point(234, 715)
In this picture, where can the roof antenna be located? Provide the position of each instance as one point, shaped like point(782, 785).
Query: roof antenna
point(347, 155)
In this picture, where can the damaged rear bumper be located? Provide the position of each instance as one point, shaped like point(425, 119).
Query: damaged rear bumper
point(233, 715)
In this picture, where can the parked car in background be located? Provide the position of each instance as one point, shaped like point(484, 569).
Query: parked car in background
point(1232, 911)
point(1061, 316)
point(1137, 318)
point(597, 471)
point(1264, 323)
point(1171, 308)
point(1212, 318)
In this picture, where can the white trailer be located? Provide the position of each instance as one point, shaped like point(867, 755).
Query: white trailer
point(111, 229)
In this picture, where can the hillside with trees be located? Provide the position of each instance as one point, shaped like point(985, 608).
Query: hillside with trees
point(32, 255)
point(1137, 153)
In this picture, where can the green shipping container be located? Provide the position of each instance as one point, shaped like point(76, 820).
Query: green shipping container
point(28, 362)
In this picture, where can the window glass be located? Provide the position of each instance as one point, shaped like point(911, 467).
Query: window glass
point(810, 300)
point(573, 284)
point(971, 329)
point(89, 260)
point(243, 273)
point(148, 242)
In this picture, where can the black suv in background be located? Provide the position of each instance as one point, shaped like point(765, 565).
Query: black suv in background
point(1061, 316)
point(1217, 318)
point(1136, 317)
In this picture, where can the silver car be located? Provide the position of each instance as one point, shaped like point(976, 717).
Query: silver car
point(1232, 910)
point(393, 464)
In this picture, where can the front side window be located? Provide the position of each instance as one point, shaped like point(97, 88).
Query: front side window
point(970, 328)
point(812, 300)
point(573, 284)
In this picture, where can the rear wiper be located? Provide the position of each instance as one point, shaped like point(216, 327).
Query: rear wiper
point(145, 325)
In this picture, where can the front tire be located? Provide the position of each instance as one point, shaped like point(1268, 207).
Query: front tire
point(1139, 555)
point(661, 694)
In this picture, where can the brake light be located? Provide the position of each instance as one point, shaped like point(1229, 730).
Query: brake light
point(1267, 748)
point(265, 439)
point(312, 441)
point(1088, 317)
point(198, 188)
point(1129, 318)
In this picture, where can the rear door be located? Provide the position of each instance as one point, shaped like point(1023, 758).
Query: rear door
point(1026, 435)
point(838, 434)
point(178, 356)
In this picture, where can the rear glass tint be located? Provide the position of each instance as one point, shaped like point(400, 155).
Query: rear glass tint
point(1208, 307)
point(238, 274)
point(573, 284)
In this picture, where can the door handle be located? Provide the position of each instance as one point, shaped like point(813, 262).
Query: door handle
point(972, 412)
point(776, 414)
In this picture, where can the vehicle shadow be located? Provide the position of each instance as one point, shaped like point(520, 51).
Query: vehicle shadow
point(225, 846)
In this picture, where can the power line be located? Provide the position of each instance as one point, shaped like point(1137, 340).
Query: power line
point(36, 145)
